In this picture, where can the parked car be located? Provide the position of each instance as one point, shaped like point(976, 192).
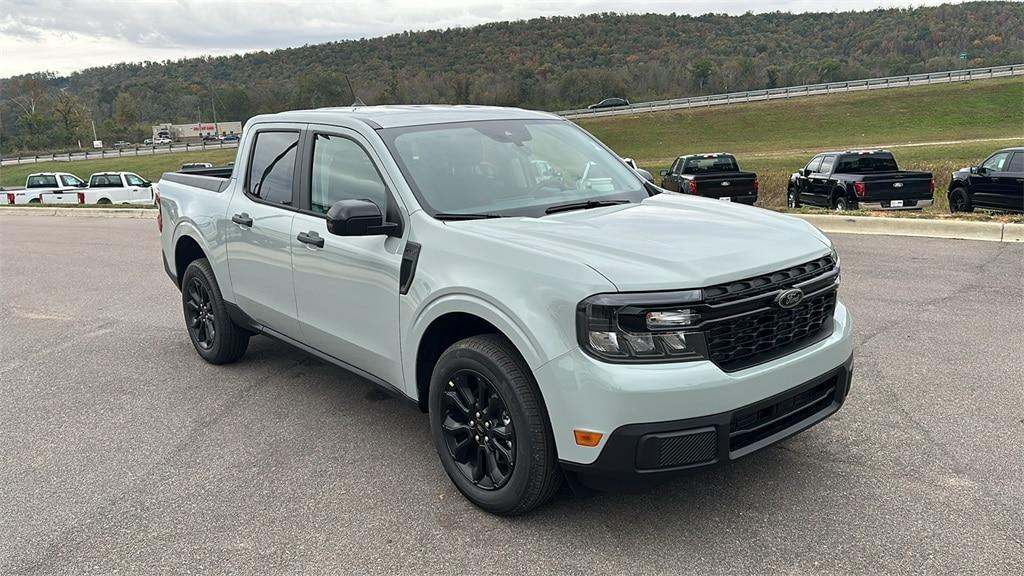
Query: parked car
point(107, 188)
point(162, 141)
point(41, 183)
point(609, 103)
point(714, 175)
point(632, 164)
point(995, 184)
point(584, 324)
point(853, 179)
point(147, 142)
point(122, 144)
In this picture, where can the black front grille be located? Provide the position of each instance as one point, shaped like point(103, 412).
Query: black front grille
point(753, 424)
point(768, 282)
point(770, 332)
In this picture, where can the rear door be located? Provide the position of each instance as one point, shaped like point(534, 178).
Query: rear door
point(1014, 178)
point(258, 227)
point(347, 288)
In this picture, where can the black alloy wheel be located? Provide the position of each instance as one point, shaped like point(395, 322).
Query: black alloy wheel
point(201, 321)
point(959, 202)
point(478, 430)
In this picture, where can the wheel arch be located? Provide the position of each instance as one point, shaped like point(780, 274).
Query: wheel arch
point(186, 250)
point(453, 318)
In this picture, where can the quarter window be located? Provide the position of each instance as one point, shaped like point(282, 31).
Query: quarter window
point(272, 167)
point(996, 162)
point(343, 171)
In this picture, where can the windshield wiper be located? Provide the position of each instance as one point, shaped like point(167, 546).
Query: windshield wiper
point(583, 205)
point(464, 216)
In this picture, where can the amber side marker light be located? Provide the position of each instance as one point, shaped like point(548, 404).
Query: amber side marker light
point(587, 438)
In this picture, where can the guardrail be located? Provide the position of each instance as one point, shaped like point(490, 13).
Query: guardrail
point(801, 91)
point(116, 153)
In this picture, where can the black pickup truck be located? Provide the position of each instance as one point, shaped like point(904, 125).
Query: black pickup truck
point(997, 184)
point(855, 179)
point(714, 175)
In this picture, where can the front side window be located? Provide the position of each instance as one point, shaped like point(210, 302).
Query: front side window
point(134, 180)
point(813, 164)
point(272, 167)
point(42, 181)
point(996, 162)
point(508, 167)
point(343, 171)
point(826, 164)
point(70, 180)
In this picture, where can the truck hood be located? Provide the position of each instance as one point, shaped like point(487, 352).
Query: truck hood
point(666, 242)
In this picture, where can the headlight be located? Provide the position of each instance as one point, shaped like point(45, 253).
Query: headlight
point(835, 258)
point(641, 327)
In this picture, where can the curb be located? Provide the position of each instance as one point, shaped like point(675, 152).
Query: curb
point(82, 212)
point(960, 230)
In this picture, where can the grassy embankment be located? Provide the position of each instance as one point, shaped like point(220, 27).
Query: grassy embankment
point(775, 139)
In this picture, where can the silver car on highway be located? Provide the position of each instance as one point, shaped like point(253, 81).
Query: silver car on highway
point(557, 316)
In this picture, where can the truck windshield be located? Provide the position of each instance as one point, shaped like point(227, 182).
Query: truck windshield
point(865, 163)
point(508, 167)
point(704, 165)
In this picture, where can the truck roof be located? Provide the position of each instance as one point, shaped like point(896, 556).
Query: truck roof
point(707, 155)
point(52, 174)
point(864, 151)
point(400, 116)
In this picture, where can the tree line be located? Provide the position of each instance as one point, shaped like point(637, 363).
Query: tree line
point(545, 63)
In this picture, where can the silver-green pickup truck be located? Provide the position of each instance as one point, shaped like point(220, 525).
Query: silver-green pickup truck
point(557, 316)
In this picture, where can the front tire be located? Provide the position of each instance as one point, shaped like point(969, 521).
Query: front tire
point(959, 201)
point(841, 204)
point(793, 198)
point(490, 426)
point(215, 337)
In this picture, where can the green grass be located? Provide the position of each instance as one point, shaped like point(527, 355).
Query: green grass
point(775, 139)
point(149, 167)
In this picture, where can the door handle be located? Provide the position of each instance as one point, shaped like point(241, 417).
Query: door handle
point(242, 219)
point(311, 238)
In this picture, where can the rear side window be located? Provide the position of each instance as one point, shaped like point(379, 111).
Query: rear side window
point(105, 181)
point(272, 167)
point(1016, 163)
point(826, 164)
point(47, 181)
point(343, 171)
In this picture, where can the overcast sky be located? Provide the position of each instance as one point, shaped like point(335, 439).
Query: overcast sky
point(68, 35)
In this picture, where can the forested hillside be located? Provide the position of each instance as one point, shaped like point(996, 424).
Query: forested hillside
point(548, 63)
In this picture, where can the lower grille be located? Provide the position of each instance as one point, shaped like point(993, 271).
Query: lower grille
point(675, 449)
point(754, 424)
point(760, 336)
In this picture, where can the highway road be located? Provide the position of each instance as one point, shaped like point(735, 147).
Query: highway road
point(123, 452)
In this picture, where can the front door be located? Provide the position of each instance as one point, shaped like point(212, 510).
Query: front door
point(986, 184)
point(346, 287)
point(820, 184)
point(258, 232)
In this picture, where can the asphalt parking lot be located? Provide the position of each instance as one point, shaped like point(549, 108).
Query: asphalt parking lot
point(122, 452)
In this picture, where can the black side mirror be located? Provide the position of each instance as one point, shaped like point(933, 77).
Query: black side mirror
point(358, 218)
point(806, 172)
point(981, 170)
point(83, 185)
point(973, 170)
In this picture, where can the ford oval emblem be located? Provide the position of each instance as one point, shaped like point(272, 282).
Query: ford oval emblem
point(725, 183)
point(897, 185)
point(790, 298)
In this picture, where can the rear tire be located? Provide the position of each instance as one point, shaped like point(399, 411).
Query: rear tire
point(490, 426)
point(216, 338)
point(959, 201)
point(34, 201)
point(103, 201)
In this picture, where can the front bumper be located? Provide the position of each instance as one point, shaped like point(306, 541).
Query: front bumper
point(884, 205)
point(618, 400)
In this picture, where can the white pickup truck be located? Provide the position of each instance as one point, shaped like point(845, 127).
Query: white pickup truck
point(106, 188)
point(43, 183)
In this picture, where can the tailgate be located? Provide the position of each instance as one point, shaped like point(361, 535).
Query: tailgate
point(61, 197)
point(897, 187)
point(726, 184)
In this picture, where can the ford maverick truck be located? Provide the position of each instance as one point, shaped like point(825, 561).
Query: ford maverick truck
point(554, 314)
